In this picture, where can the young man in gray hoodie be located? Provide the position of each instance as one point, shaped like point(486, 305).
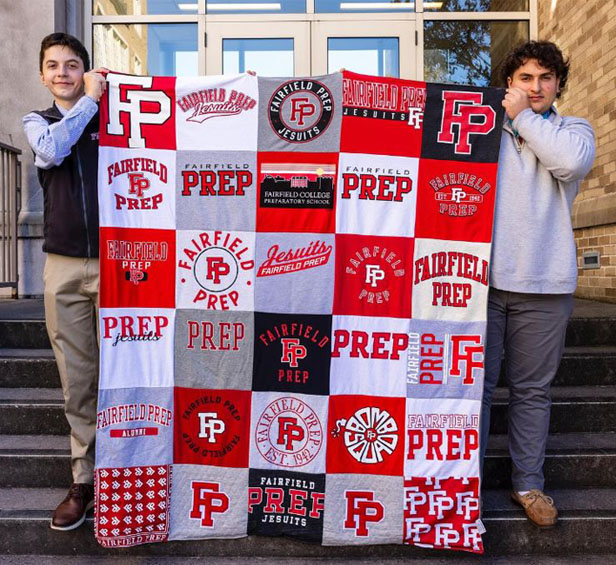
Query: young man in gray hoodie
point(543, 159)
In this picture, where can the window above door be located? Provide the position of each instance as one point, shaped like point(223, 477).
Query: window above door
point(456, 41)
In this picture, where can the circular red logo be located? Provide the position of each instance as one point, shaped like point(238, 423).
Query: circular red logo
point(289, 433)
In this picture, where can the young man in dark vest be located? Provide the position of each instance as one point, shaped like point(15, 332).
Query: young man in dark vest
point(543, 159)
point(64, 139)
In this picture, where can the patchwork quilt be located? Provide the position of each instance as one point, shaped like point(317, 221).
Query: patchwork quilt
point(294, 278)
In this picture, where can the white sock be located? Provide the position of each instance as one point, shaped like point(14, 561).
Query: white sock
point(523, 492)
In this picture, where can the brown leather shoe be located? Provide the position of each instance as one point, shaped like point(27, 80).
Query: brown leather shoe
point(71, 512)
point(539, 508)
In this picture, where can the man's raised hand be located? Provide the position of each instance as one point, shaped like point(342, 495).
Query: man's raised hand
point(515, 101)
point(95, 83)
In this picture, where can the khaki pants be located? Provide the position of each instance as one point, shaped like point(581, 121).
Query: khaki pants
point(71, 314)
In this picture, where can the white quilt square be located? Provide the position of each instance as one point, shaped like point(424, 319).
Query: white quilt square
point(450, 280)
point(442, 437)
point(217, 113)
point(136, 347)
point(215, 270)
point(136, 189)
point(377, 195)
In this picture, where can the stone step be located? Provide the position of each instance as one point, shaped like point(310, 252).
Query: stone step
point(586, 366)
point(587, 524)
point(28, 334)
point(22, 309)
point(574, 409)
point(36, 368)
point(572, 461)
point(28, 368)
point(35, 461)
point(592, 331)
point(460, 559)
point(32, 411)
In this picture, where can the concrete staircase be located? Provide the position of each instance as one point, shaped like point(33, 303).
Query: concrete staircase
point(580, 466)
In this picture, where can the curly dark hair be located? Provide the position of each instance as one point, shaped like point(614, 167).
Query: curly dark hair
point(65, 40)
point(546, 53)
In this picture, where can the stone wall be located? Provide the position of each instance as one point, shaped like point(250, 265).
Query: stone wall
point(22, 26)
point(586, 31)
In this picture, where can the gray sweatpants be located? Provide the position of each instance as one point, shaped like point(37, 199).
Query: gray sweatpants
point(530, 329)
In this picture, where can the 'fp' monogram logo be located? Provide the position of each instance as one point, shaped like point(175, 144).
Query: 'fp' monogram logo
point(361, 509)
point(136, 276)
point(207, 500)
point(374, 273)
point(467, 350)
point(216, 267)
point(415, 528)
point(457, 194)
point(128, 101)
point(445, 535)
point(210, 426)
point(301, 108)
point(289, 431)
point(472, 536)
point(414, 499)
point(292, 351)
point(460, 111)
point(468, 504)
point(415, 117)
point(137, 184)
point(439, 503)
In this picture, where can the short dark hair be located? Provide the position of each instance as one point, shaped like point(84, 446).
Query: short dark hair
point(65, 40)
point(546, 53)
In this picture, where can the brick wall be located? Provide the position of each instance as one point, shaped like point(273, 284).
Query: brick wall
point(598, 284)
point(586, 31)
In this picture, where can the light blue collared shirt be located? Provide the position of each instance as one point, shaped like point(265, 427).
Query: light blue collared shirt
point(52, 143)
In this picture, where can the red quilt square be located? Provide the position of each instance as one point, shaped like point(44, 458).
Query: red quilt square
point(373, 276)
point(456, 200)
point(137, 268)
point(132, 505)
point(211, 427)
point(442, 513)
point(382, 115)
point(145, 110)
point(297, 192)
point(365, 435)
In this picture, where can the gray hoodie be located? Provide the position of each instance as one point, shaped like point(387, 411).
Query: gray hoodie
point(533, 249)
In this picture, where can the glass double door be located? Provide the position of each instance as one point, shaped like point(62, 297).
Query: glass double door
point(304, 48)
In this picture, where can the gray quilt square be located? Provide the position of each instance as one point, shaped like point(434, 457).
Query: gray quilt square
point(300, 114)
point(214, 349)
point(134, 427)
point(216, 190)
point(208, 502)
point(367, 509)
point(445, 359)
point(295, 273)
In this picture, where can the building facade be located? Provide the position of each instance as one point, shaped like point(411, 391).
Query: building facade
point(455, 41)
point(586, 31)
